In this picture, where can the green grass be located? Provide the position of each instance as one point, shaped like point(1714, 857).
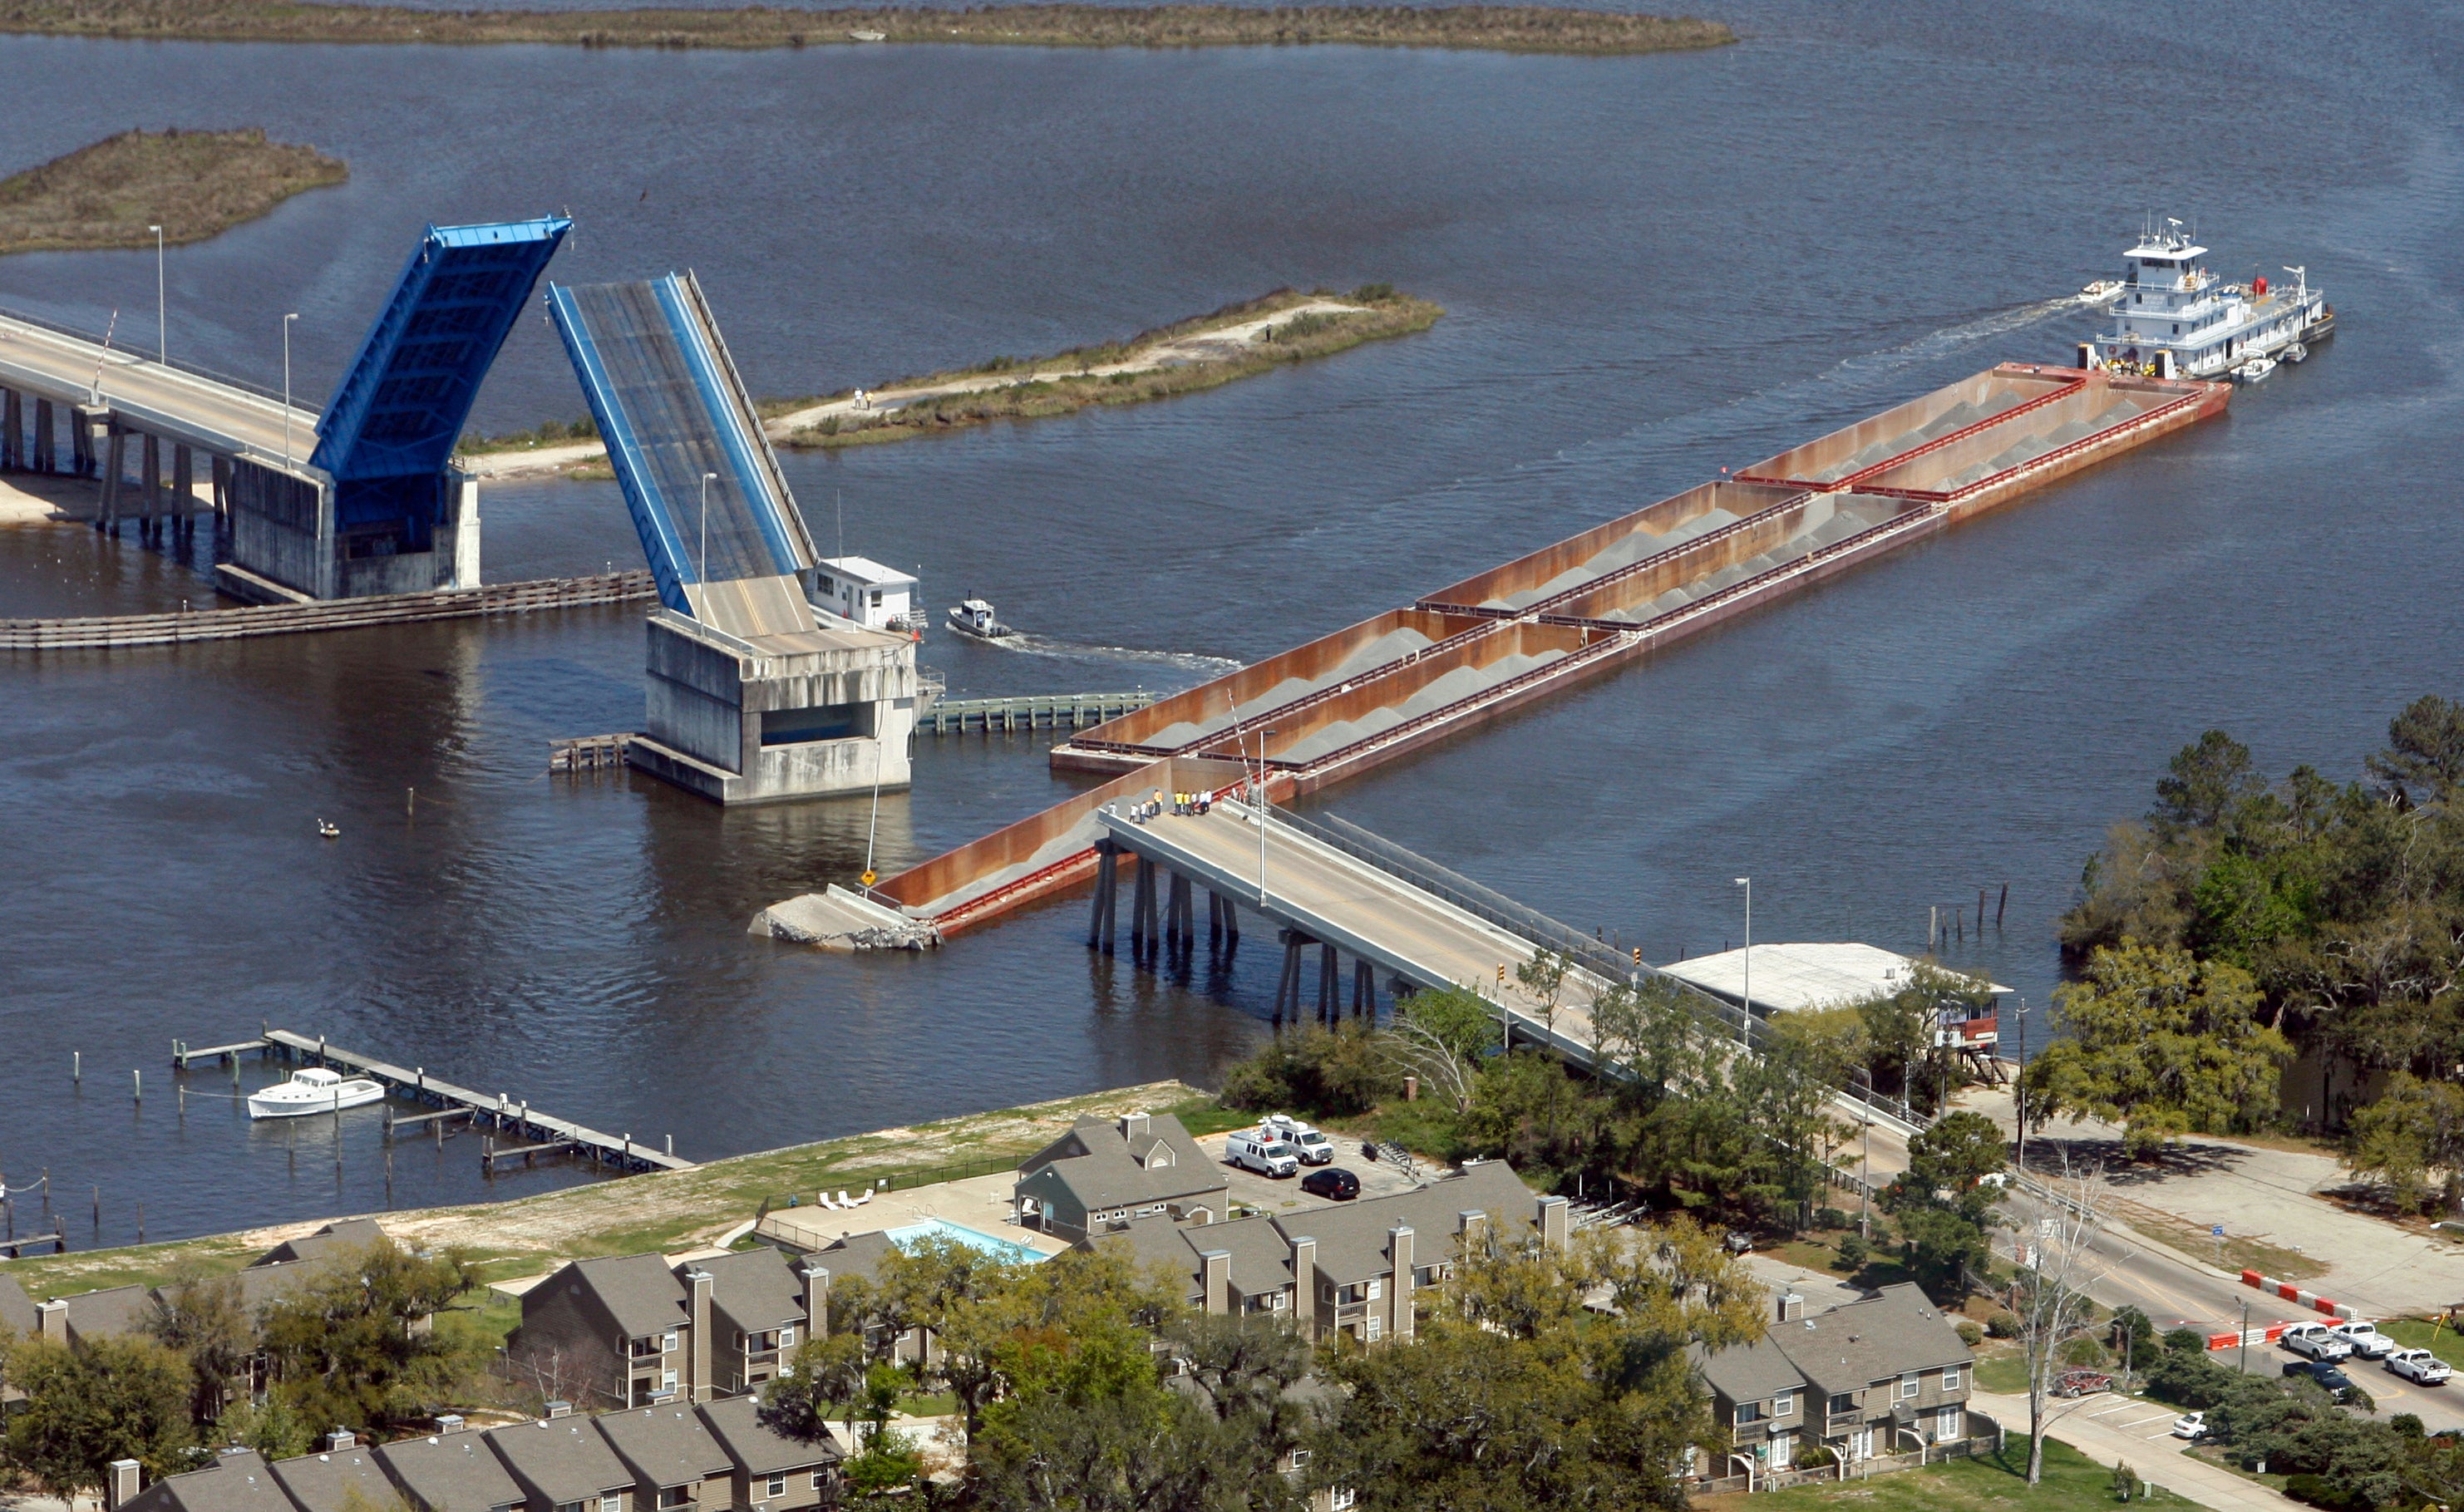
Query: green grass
point(929, 1404)
point(193, 184)
point(2072, 1482)
point(2004, 1374)
point(2414, 1334)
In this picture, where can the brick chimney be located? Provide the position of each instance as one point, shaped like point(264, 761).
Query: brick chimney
point(1215, 1280)
point(1305, 1286)
point(1552, 1221)
point(817, 1300)
point(1398, 1291)
point(697, 1346)
point(126, 1478)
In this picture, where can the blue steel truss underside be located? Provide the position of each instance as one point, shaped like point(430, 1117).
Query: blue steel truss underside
point(672, 412)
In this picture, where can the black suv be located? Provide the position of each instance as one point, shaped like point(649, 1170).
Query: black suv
point(1333, 1182)
point(2336, 1381)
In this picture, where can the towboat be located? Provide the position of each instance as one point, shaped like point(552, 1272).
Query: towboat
point(314, 1090)
point(2174, 317)
point(979, 618)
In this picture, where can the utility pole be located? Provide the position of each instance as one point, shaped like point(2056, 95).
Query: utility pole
point(162, 324)
point(286, 386)
point(2019, 1089)
point(1261, 817)
point(1747, 882)
point(2245, 1338)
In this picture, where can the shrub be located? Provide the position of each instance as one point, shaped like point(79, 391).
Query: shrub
point(2320, 1492)
point(1830, 1219)
point(2191, 1380)
point(1969, 1334)
point(2406, 1425)
point(1854, 1252)
point(2186, 1341)
point(550, 430)
point(2126, 1481)
point(2085, 1351)
point(1319, 1072)
point(2002, 1326)
point(1373, 293)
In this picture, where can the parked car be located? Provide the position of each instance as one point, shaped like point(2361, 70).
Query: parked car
point(2336, 1381)
point(2082, 1382)
point(2318, 1341)
point(2419, 1366)
point(2192, 1426)
point(1256, 1149)
point(2366, 1339)
point(1333, 1182)
point(1312, 1147)
point(1737, 1243)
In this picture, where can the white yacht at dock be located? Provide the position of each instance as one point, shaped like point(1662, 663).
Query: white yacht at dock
point(2174, 317)
point(314, 1090)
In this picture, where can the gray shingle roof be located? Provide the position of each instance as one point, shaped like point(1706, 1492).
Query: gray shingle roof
point(1351, 1239)
point(114, 1310)
point(451, 1473)
point(1891, 1333)
point(236, 1481)
point(321, 1483)
point(663, 1446)
point(1748, 1373)
point(755, 1289)
point(562, 1459)
point(17, 1312)
point(858, 1255)
point(736, 1424)
point(346, 1233)
point(638, 1291)
point(1103, 1169)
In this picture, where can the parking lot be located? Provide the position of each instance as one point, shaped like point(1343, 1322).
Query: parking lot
point(1377, 1179)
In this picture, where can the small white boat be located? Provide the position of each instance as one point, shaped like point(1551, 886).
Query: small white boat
point(2257, 368)
point(977, 618)
point(2294, 353)
point(328, 828)
point(314, 1090)
point(2105, 291)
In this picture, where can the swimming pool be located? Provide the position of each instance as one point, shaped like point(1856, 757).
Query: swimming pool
point(991, 1244)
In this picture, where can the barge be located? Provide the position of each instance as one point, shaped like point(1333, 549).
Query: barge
point(1556, 618)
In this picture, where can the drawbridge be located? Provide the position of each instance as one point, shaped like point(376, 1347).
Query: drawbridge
point(717, 524)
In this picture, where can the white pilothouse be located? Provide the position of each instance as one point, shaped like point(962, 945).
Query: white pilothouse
point(2174, 317)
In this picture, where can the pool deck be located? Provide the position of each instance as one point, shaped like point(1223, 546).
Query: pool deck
point(982, 1203)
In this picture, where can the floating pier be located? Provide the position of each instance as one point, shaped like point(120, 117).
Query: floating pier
point(1028, 711)
point(498, 1112)
point(1548, 621)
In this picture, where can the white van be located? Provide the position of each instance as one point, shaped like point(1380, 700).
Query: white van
point(1259, 1150)
point(1312, 1147)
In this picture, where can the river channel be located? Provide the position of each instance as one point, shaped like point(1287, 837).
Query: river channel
point(1654, 266)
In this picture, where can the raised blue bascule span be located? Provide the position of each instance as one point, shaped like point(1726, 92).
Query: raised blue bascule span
point(717, 524)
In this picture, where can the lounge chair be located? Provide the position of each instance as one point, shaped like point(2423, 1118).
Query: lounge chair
point(845, 1200)
point(823, 1198)
point(862, 1197)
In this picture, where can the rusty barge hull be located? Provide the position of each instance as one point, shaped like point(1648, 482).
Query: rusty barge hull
point(1564, 616)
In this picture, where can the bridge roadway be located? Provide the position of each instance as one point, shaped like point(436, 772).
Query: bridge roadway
point(1337, 900)
point(180, 406)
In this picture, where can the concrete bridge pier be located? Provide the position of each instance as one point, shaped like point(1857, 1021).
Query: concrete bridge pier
point(1103, 916)
point(83, 423)
point(46, 437)
point(183, 498)
point(12, 432)
point(115, 468)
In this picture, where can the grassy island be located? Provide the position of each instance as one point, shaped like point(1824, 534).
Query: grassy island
point(193, 184)
point(1235, 341)
point(1512, 29)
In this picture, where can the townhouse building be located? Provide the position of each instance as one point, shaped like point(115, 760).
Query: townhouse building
point(1878, 1376)
point(1143, 1166)
point(640, 1330)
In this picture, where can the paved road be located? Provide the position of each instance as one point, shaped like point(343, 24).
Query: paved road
point(164, 399)
point(2107, 1429)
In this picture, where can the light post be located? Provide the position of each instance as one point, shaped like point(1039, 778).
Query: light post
point(1747, 882)
point(701, 573)
point(162, 325)
point(1261, 806)
point(2019, 1090)
point(286, 386)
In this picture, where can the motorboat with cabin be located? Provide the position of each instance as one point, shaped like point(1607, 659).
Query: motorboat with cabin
point(2175, 317)
point(314, 1090)
point(977, 618)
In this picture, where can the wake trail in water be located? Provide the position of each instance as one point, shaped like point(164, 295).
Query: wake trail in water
point(1085, 651)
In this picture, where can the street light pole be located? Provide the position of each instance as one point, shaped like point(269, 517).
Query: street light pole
point(286, 386)
point(2019, 1087)
point(701, 572)
point(162, 326)
point(1261, 806)
point(1747, 882)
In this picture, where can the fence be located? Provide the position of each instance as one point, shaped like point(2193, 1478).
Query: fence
point(902, 1180)
point(331, 614)
point(1985, 1436)
point(1028, 711)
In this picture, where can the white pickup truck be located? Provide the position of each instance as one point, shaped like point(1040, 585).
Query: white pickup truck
point(2318, 1341)
point(2366, 1339)
point(2418, 1366)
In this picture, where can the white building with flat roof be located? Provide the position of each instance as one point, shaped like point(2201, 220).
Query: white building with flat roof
point(862, 590)
point(1794, 977)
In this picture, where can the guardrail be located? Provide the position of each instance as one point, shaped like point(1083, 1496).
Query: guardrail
point(335, 614)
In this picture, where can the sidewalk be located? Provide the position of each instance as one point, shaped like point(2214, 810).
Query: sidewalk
point(2109, 1428)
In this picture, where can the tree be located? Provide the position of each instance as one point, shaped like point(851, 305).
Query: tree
point(1442, 1036)
point(271, 1428)
point(827, 1379)
point(95, 1401)
point(350, 1344)
point(2423, 759)
point(2411, 1140)
point(2160, 1042)
point(2059, 1260)
point(1899, 1028)
point(1957, 1151)
point(2204, 783)
point(200, 1316)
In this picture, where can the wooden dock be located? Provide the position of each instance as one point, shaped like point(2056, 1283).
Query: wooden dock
point(335, 614)
point(1029, 712)
point(589, 753)
point(498, 1112)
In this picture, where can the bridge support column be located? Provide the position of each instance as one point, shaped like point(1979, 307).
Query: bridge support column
point(12, 432)
point(115, 447)
point(1330, 1001)
point(83, 423)
point(1107, 879)
point(149, 500)
point(1142, 909)
point(1181, 926)
point(1364, 990)
point(1288, 986)
point(46, 437)
point(222, 506)
point(184, 496)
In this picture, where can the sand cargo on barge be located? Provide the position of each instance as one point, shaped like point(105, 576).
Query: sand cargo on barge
point(1558, 617)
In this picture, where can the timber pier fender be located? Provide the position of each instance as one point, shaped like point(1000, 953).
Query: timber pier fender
point(1566, 614)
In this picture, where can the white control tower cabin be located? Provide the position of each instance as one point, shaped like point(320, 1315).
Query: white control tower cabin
point(2175, 317)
